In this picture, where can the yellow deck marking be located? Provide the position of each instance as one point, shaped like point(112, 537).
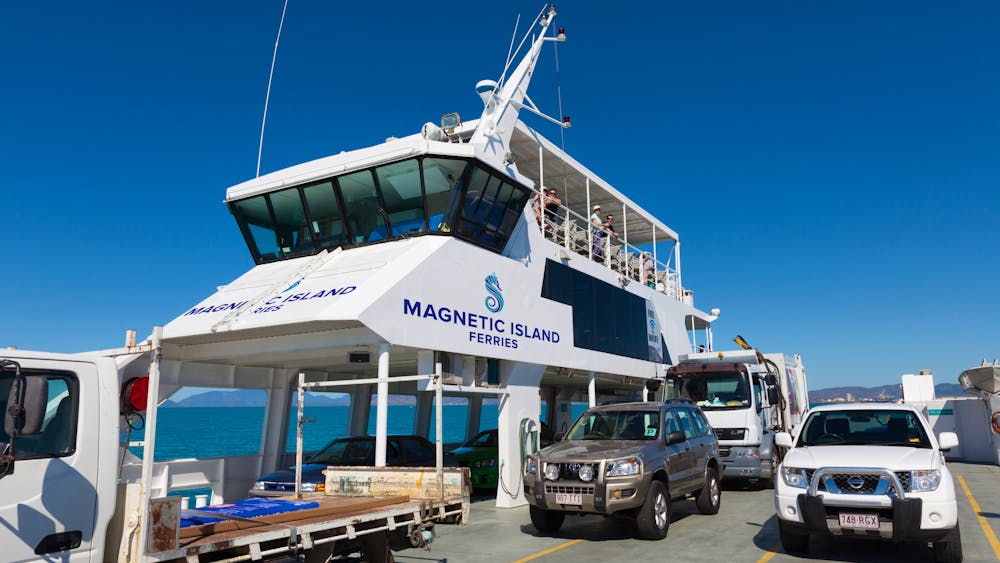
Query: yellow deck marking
point(771, 553)
point(548, 551)
point(982, 520)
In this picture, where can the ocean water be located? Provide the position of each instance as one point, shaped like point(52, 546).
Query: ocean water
point(210, 432)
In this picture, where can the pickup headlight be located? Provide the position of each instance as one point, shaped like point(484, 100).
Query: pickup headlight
point(531, 466)
point(259, 486)
point(927, 480)
point(624, 467)
point(794, 477)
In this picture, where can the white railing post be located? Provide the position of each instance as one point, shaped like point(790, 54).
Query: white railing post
point(382, 405)
point(439, 442)
point(301, 403)
point(149, 439)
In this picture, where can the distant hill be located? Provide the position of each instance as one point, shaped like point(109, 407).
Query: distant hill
point(880, 393)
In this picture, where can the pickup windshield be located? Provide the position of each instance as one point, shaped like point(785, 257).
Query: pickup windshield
point(717, 391)
point(616, 425)
point(864, 427)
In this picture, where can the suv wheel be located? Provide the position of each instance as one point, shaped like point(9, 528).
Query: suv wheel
point(710, 497)
point(653, 518)
point(546, 521)
point(794, 541)
point(949, 549)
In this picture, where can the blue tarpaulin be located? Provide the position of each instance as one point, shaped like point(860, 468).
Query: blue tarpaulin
point(249, 508)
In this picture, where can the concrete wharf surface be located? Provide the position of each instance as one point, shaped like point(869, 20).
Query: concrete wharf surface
point(744, 530)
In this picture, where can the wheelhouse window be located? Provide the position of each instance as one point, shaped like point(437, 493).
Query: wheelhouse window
point(397, 200)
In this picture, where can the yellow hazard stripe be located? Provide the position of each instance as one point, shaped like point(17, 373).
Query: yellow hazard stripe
point(548, 551)
point(982, 520)
point(771, 553)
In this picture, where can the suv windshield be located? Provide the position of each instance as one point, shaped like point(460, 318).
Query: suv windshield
point(616, 425)
point(864, 427)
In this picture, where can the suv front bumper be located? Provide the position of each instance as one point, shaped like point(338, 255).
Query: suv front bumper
point(613, 495)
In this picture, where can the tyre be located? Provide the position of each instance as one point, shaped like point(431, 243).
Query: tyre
point(949, 550)
point(792, 540)
point(546, 521)
point(768, 483)
point(710, 497)
point(653, 518)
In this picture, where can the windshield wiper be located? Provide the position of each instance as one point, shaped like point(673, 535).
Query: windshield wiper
point(388, 223)
point(910, 444)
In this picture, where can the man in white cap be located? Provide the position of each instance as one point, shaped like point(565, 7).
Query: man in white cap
point(597, 231)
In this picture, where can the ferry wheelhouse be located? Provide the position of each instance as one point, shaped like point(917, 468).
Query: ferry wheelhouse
point(385, 262)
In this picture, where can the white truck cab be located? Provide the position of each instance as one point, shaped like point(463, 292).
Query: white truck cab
point(867, 470)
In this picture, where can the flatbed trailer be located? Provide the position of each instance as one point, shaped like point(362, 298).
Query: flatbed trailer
point(341, 524)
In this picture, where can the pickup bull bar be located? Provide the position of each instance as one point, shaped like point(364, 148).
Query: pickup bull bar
point(888, 481)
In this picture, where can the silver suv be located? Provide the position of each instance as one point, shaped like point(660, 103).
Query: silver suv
point(628, 460)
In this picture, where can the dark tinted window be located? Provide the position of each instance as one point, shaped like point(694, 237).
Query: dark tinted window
point(605, 318)
point(417, 450)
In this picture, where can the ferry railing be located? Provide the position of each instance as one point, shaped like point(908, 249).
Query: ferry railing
point(578, 235)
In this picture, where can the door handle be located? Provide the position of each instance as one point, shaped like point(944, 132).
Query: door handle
point(63, 541)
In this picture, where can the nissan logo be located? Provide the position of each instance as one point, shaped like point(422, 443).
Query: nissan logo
point(856, 481)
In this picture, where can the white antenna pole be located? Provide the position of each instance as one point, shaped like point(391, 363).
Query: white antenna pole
point(267, 98)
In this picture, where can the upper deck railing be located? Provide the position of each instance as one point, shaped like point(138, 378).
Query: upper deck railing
point(579, 235)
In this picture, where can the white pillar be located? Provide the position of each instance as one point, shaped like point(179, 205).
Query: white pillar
point(382, 405)
point(520, 403)
point(592, 390)
point(677, 256)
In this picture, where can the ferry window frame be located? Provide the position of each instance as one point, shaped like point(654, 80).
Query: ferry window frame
point(72, 383)
point(492, 233)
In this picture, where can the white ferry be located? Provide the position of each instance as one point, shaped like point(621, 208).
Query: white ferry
point(374, 270)
point(381, 262)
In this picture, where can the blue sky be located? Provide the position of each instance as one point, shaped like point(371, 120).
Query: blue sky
point(831, 167)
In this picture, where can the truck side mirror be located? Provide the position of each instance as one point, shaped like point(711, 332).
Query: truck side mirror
point(557, 437)
point(770, 379)
point(772, 396)
point(26, 406)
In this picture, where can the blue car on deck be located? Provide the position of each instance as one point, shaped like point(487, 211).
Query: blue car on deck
point(401, 451)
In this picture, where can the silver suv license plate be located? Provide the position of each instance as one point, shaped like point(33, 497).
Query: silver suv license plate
point(858, 521)
point(568, 498)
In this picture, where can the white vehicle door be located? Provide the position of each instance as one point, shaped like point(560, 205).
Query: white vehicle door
point(48, 504)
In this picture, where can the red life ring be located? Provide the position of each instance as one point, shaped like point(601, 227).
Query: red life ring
point(995, 422)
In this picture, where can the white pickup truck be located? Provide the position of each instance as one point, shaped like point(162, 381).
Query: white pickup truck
point(867, 470)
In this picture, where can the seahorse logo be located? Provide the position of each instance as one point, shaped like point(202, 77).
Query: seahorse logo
point(494, 301)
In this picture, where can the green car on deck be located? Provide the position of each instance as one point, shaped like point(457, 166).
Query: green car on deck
point(480, 455)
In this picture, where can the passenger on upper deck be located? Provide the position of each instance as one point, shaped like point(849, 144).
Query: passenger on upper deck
point(649, 270)
point(547, 210)
point(597, 230)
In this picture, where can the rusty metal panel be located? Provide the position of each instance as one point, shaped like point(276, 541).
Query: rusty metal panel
point(414, 482)
point(164, 524)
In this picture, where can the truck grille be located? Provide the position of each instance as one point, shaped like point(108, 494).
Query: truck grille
point(570, 489)
point(849, 483)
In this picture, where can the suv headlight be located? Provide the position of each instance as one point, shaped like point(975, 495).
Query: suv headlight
point(259, 486)
point(927, 480)
point(624, 467)
point(794, 477)
point(552, 471)
point(531, 466)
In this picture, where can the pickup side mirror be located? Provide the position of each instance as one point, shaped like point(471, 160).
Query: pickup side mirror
point(947, 440)
point(675, 437)
point(557, 437)
point(26, 406)
point(783, 440)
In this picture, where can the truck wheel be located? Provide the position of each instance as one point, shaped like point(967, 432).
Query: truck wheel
point(768, 483)
point(710, 497)
point(546, 521)
point(794, 541)
point(949, 550)
point(653, 518)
